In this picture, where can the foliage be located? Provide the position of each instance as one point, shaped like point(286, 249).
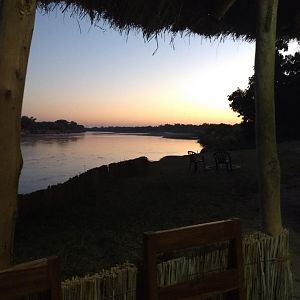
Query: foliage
point(223, 137)
point(176, 128)
point(29, 124)
point(287, 105)
point(210, 136)
point(242, 102)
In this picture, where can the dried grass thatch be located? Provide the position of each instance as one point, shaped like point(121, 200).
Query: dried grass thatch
point(181, 16)
point(117, 283)
point(267, 266)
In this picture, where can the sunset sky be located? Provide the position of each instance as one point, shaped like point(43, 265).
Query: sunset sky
point(96, 76)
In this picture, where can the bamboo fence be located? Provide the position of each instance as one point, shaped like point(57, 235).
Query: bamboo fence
point(267, 271)
point(118, 283)
point(267, 266)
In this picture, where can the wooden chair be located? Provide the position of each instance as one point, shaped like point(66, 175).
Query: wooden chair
point(229, 282)
point(223, 158)
point(31, 278)
point(196, 159)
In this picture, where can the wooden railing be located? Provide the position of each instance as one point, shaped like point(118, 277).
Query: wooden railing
point(31, 278)
point(229, 281)
point(266, 268)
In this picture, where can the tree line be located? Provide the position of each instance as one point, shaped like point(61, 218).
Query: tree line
point(29, 124)
point(175, 128)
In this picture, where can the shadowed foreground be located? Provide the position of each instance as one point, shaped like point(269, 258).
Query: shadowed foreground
point(101, 230)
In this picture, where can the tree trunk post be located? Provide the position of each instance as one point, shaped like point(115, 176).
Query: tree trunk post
point(268, 163)
point(16, 28)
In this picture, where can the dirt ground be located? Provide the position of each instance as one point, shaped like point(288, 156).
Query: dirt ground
point(104, 230)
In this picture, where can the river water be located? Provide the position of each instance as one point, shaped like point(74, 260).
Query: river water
point(51, 159)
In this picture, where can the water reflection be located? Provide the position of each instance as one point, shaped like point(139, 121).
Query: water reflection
point(59, 139)
point(49, 159)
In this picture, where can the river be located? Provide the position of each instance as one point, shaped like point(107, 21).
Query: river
point(53, 158)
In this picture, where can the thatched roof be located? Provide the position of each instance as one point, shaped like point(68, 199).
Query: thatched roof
point(183, 16)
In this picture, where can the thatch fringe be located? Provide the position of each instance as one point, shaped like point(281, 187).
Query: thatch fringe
point(155, 18)
point(267, 271)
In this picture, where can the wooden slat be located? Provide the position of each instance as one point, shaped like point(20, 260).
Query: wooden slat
point(26, 266)
point(196, 235)
point(150, 266)
point(230, 281)
point(54, 278)
point(31, 278)
point(208, 285)
point(235, 260)
point(24, 280)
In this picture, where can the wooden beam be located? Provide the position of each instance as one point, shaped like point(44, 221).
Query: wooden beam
point(222, 8)
point(191, 236)
point(31, 278)
point(229, 281)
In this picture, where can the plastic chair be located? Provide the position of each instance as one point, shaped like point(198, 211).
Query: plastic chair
point(223, 158)
point(196, 159)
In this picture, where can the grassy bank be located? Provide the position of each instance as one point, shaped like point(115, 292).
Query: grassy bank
point(99, 231)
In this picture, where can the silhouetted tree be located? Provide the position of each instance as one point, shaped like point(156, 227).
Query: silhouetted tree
point(27, 123)
point(287, 105)
point(30, 124)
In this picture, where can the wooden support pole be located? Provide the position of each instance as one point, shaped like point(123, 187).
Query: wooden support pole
point(16, 27)
point(268, 164)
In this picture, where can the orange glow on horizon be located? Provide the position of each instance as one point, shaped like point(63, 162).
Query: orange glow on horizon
point(183, 105)
point(128, 86)
point(141, 115)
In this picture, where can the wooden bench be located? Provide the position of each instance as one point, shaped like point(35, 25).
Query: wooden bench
point(229, 282)
point(31, 278)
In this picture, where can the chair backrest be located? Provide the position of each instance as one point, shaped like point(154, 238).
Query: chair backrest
point(191, 152)
point(230, 281)
point(31, 278)
point(222, 157)
point(192, 156)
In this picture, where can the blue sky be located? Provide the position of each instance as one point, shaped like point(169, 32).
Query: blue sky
point(96, 76)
